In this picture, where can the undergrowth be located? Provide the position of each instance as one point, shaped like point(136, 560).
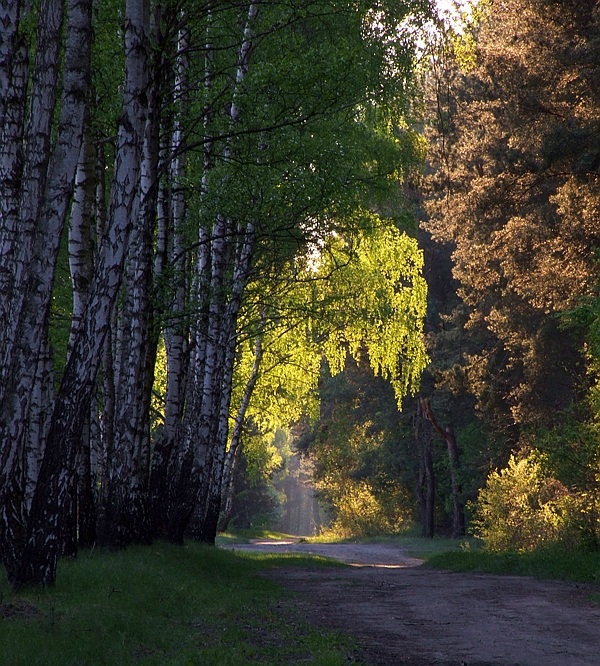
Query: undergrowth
point(162, 605)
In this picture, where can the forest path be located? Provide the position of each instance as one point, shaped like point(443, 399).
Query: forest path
point(405, 614)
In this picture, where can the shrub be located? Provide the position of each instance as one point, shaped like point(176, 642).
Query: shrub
point(522, 508)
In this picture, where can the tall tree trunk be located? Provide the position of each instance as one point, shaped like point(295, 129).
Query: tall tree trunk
point(42, 400)
point(202, 399)
point(48, 180)
point(16, 239)
point(458, 510)
point(171, 251)
point(14, 75)
point(25, 158)
point(210, 496)
point(176, 451)
point(82, 238)
point(126, 511)
point(426, 482)
point(10, 17)
point(45, 528)
point(227, 484)
point(206, 434)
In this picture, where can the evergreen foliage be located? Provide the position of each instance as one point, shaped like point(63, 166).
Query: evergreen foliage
point(513, 192)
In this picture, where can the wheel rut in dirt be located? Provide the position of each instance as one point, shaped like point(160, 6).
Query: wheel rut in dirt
point(403, 613)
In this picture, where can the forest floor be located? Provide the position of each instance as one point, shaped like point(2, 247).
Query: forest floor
point(400, 612)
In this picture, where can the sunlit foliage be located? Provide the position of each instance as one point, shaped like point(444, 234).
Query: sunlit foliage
point(523, 508)
point(359, 508)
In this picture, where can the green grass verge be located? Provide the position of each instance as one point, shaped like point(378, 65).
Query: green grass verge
point(425, 549)
point(246, 535)
point(551, 565)
point(164, 604)
point(415, 546)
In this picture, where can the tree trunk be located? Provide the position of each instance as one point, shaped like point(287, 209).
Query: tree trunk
point(14, 75)
point(82, 237)
point(426, 482)
point(229, 243)
point(17, 226)
point(24, 173)
point(126, 512)
point(458, 511)
point(81, 523)
point(227, 484)
point(171, 251)
point(48, 181)
point(211, 497)
point(45, 529)
point(10, 14)
point(85, 514)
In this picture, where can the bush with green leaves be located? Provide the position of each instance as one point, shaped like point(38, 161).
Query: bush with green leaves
point(523, 508)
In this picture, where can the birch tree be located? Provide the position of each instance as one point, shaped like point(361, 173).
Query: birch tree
point(45, 187)
point(45, 529)
point(125, 510)
point(307, 156)
point(225, 169)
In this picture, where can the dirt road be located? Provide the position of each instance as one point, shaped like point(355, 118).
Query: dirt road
point(402, 613)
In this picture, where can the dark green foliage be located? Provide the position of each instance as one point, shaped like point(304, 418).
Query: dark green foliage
point(509, 193)
point(256, 502)
point(513, 195)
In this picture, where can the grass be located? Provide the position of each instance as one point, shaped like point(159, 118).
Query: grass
point(467, 554)
point(246, 535)
point(169, 605)
point(196, 605)
point(550, 564)
point(426, 549)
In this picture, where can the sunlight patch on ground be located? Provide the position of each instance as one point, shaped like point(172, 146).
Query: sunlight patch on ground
point(404, 565)
point(273, 542)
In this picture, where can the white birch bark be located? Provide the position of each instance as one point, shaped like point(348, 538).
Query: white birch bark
point(227, 483)
point(214, 457)
point(48, 177)
point(49, 197)
point(126, 510)
point(176, 337)
point(171, 242)
point(106, 388)
point(203, 422)
point(44, 536)
point(10, 15)
point(41, 403)
point(82, 232)
point(18, 231)
point(81, 241)
point(14, 70)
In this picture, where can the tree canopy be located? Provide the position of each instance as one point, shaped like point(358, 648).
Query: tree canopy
point(349, 240)
point(212, 177)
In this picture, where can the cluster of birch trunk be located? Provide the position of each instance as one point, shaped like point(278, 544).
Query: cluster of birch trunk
point(240, 145)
